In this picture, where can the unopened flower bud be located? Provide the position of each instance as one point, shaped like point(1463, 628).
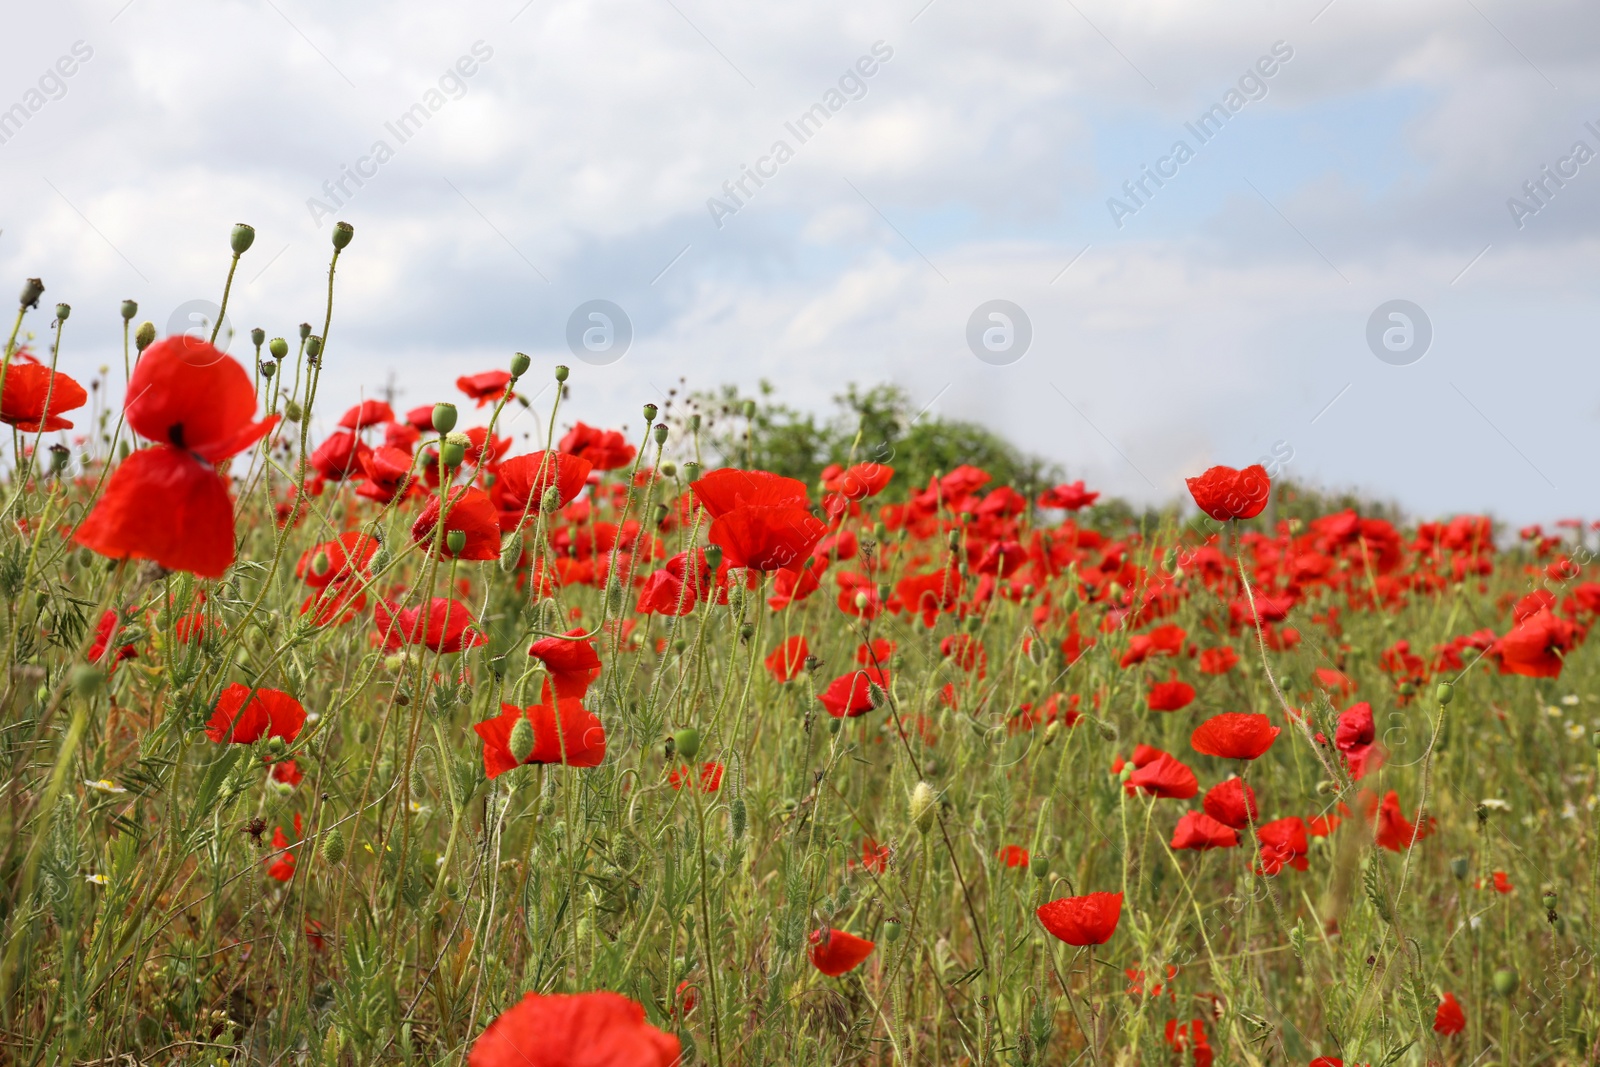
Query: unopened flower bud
point(550, 499)
point(145, 335)
point(32, 290)
point(444, 417)
point(278, 347)
point(1052, 731)
point(738, 819)
point(63, 312)
point(686, 742)
point(922, 807)
point(242, 237)
point(1459, 866)
point(129, 310)
point(561, 372)
point(1444, 692)
point(694, 422)
point(333, 845)
point(1505, 981)
point(320, 564)
point(456, 541)
point(1127, 771)
point(521, 741)
point(292, 411)
point(862, 600)
point(343, 234)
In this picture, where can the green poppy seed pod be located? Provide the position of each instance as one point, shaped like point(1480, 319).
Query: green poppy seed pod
point(650, 411)
point(32, 290)
point(268, 369)
point(292, 411)
point(313, 346)
point(87, 680)
point(242, 237)
point(520, 364)
point(258, 337)
point(679, 644)
point(1444, 692)
point(1550, 900)
point(884, 593)
point(835, 725)
point(63, 312)
point(922, 806)
point(456, 541)
point(521, 742)
point(1039, 867)
point(124, 450)
point(451, 453)
point(1505, 981)
point(892, 930)
point(343, 234)
point(550, 499)
point(562, 372)
point(305, 330)
point(687, 742)
point(130, 308)
point(1594, 739)
point(278, 347)
point(714, 556)
point(660, 514)
point(879, 531)
point(1407, 689)
point(747, 631)
point(444, 417)
point(60, 456)
point(749, 409)
point(691, 471)
point(333, 845)
point(694, 422)
point(145, 335)
point(660, 433)
point(1459, 867)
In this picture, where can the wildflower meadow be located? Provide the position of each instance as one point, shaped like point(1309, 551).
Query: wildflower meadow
point(339, 734)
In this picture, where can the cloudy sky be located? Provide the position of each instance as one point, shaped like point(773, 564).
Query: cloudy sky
point(1214, 303)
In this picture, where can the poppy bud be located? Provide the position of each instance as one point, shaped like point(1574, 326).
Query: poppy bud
point(650, 411)
point(343, 234)
point(679, 644)
point(550, 499)
point(1505, 981)
point(32, 290)
point(884, 592)
point(738, 819)
point(320, 563)
point(876, 694)
point(1458, 866)
point(924, 804)
point(451, 453)
point(955, 540)
point(380, 559)
point(1407, 689)
point(456, 541)
point(520, 364)
point(521, 741)
point(835, 725)
point(1444, 692)
point(1297, 939)
point(268, 369)
point(129, 310)
point(1127, 771)
point(444, 417)
point(1039, 867)
point(145, 335)
point(313, 347)
point(63, 312)
point(242, 237)
point(1052, 731)
point(691, 471)
point(258, 337)
point(660, 433)
point(278, 347)
point(862, 600)
point(687, 742)
point(714, 556)
point(87, 680)
point(891, 930)
point(333, 845)
point(292, 411)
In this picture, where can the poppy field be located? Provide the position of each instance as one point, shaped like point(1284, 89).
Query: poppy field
point(340, 734)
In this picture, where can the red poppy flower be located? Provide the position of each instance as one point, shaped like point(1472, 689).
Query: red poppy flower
point(388, 473)
point(280, 864)
point(244, 715)
point(1449, 1019)
point(1535, 646)
point(471, 512)
point(1199, 832)
point(1218, 660)
point(1070, 497)
point(420, 418)
point(930, 594)
point(1165, 640)
point(402, 435)
point(727, 488)
point(485, 388)
point(966, 652)
point(1283, 844)
point(581, 738)
point(710, 778)
point(287, 772)
point(338, 457)
point(878, 651)
point(1234, 735)
point(1164, 776)
point(1225, 493)
point(168, 503)
point(1013, 855)
point(786, 660)
point(850, 695)
point(1081, 921)
point(793, 584)
point(34, 398)
point(521, 481)
point(766, 538)
point(448, 626)
point(573, 665)
point(676, 588)
point(875, 857)
point(605, 449)
point(574, 1030)
point(367, 413)
point(1395, 832)
point(1232, 803)
point(834, 952)
point(1171, 695)
point(102, 636)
